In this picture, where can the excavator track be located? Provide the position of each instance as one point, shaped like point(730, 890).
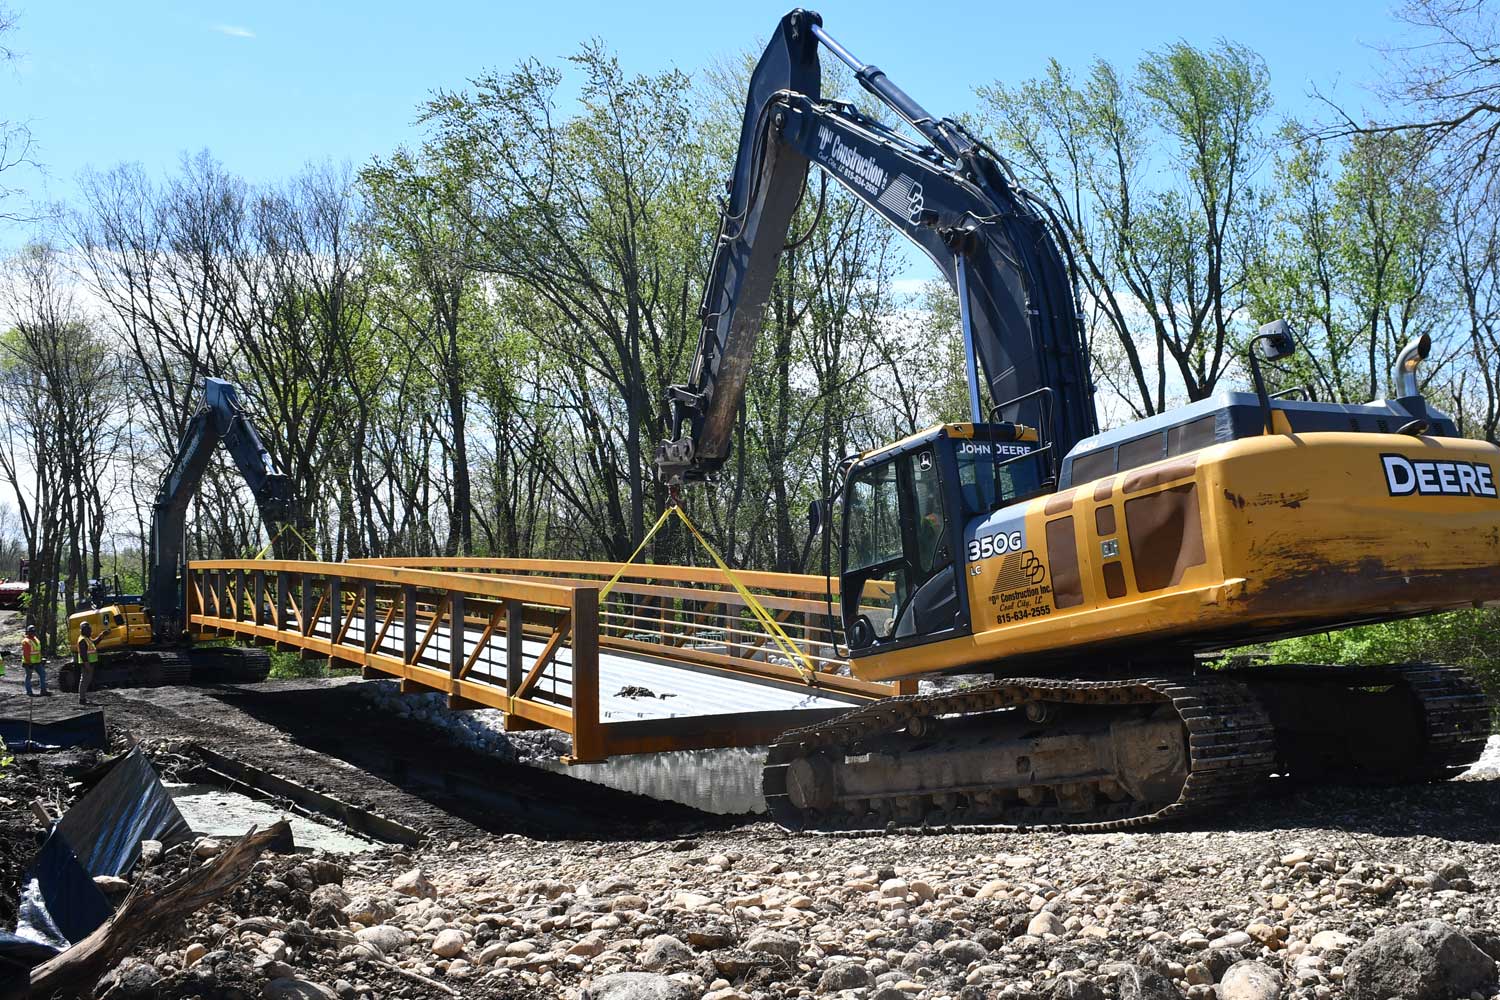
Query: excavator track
point(1378, 725)
point(1227, 739)
point(1394, 724)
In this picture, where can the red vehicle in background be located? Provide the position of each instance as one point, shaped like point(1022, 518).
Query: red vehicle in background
point(12, 591)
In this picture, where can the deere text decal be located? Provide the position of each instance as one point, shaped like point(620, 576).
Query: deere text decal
point(1406, 477)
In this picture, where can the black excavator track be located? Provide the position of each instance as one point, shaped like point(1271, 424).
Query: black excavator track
point(1395, 724)
point(229, 664)
point(135, 668)
point(1236, 726)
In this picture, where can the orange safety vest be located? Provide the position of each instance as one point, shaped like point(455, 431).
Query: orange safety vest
point(87, 650)
point(31, 651)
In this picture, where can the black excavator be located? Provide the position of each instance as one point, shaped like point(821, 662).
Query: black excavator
point(1084, 573)
point(144, 640)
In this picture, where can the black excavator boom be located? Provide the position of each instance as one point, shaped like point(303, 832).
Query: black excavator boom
point(949, 195)
point(221, 419)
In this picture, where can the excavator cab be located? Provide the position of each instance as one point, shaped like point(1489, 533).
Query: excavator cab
point(906, 507)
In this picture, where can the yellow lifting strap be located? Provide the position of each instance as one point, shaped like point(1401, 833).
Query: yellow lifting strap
point(798, 658)
point(288, 526)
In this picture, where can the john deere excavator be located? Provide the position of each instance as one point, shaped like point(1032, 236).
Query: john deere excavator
point(1083, 572)
point(143, 640)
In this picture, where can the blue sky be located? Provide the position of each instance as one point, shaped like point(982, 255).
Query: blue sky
point(270, 86)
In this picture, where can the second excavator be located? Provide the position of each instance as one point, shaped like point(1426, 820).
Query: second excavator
point(1084, 573)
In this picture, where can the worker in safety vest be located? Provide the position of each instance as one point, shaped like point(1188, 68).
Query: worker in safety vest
point(88, 658)
point(31, 659)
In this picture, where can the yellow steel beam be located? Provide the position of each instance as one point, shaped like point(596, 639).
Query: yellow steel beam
point(531, 592)
point(554, 641)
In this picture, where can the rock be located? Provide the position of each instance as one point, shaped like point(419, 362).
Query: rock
point(778, 945)
point(1331, 941)
point(1075, 988)
point(367, 910)
point(1198, 974)
point(448, 943)
point(1423, 960)
point(111, 885)
point(1250, 981)
point(490, 952)
point(665, 951)
point(1234, 939)
point(1138, 983)
point(193, 954)
point(1453, 870)
point(325, 872)
point(297, 989)
point(628, 903)
point(385, 937)
point(1266, 934)
point(150, 852)
point(1043, 923)
point(894, 888)
point(330, 895)
point(844, 976)
point(586, 947)
point(638, 986)
point(207, 847)
point(691, 900)
point(962, 952)
point(1296, 858)
point(709, 938)
point(414, 883)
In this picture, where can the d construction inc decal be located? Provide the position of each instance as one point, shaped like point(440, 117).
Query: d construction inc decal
point(1406, 477)
point(1020, 591)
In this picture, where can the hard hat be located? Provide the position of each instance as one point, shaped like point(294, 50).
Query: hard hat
point(31, 630)
point(86, 628)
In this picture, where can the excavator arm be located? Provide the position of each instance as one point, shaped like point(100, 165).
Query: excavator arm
point(221, 419)
point(949, 195)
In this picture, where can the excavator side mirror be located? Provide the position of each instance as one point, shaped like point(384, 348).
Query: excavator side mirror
point(1274, 341)
point(817, 516)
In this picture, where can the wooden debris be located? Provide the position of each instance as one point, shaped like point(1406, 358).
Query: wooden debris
point(78, 970)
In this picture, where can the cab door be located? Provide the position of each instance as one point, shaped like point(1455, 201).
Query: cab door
point(900, 577)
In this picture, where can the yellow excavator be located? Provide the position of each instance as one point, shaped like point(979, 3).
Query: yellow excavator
point(1084, 573)
point(143, 639)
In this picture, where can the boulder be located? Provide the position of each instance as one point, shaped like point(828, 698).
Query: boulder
point(414, 883)
point(1075, 988)
point(297, 989)
point(1139, 983)
point(666, 951)
point(1423, 960)
point(843, 976)
point(1043, 923)
point(637, 986)
point(1250, 981)
point(448, 943)
point(781, 946)
point(385, 937)
point(962, 952)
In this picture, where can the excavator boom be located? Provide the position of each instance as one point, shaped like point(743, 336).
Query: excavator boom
point(949, 195)
point(221, 420)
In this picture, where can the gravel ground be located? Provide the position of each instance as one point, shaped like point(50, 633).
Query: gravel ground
point(1305, 893)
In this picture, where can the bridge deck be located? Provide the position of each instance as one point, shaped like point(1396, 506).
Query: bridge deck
point(670, 661)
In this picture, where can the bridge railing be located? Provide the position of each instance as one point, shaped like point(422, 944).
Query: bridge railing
point(525, 641)
point(693, 614)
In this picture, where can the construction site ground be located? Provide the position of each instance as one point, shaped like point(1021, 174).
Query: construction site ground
point(530, 883)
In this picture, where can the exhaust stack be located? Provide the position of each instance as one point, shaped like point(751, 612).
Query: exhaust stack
point(1412, 355)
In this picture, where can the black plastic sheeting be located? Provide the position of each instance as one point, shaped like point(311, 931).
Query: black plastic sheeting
point(105, 827)
point(100, 835)
point(86, 730)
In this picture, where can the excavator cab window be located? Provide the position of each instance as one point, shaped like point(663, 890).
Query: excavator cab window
point(899, 580)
